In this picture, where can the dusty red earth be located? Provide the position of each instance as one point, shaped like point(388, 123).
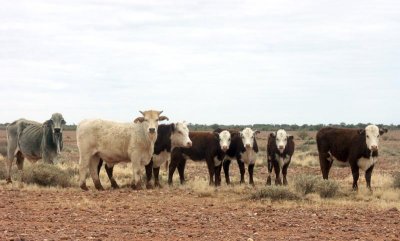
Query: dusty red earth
point(181, 214)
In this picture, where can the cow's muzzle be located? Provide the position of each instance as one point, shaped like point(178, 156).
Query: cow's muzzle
point(374, 148)
point(152, 130)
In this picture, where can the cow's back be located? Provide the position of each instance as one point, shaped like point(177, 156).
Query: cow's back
point(337, 141)
point(203, 143)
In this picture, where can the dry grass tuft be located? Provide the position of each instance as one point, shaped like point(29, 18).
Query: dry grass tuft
point(46, 175)
point(274, 193)
point(201, 187)
point(305, 184)
point(327, 188)
point(396, 180)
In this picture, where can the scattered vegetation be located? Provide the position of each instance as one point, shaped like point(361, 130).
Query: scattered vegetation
point(46, 175)
point(396, 180)
point(303, 135)
point(327, 188)
point(275, 193)
point(305, 184)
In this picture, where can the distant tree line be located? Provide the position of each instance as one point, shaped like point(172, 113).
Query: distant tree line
point(263, 127)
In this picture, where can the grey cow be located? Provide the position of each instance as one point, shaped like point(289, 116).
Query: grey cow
point(34, 141)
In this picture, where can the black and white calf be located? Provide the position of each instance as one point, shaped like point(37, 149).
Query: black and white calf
point(243, 148)
point(280, 150)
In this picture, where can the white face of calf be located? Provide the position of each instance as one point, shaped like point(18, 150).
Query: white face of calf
point(281, 139)
point(224, 140)
point(248, 136)
point(372, 135)
point(180, 135)
point(150, 119)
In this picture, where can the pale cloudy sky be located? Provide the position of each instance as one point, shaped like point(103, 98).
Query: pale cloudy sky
point(227, 62)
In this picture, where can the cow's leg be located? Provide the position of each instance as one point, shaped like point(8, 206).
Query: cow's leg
point(356, 173)
point(226, 164)
point(109, 170)
point(11, 148)
point(284, 173)
point(20, 165)
point(93, 167)
point(269, 166)
point(368, 174)
point(83, 172)
point(137, 173)
point(99, 166)
point(210, 166)
point(156, 171)
point(325, 164)
point(242, 170)
point(251, 171)
point(172, 167)
point(181, 170)
point(277, 170)
point(217, 171)
point(149, 173)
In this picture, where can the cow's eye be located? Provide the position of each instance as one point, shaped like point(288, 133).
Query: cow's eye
point(229, 139)
point(367, 136)
point(180, 132)
point(378, 136)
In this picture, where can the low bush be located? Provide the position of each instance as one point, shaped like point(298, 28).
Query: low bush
point(303, 135)
point(327, 188)
point(275, 193)
point(396, 180)
point(46, 175)
point(305, 184)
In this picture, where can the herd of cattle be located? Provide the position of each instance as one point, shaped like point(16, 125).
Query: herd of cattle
point(147, 145)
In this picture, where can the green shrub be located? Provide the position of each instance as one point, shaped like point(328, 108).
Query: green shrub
point(274, 193)
point(305, 184)
point(46, 175)
point(327, 188)
point(396, 180)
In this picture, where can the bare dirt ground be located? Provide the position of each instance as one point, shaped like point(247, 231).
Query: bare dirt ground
point(198, 212)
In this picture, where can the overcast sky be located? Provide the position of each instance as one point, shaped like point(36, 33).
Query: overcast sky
point(226, 62)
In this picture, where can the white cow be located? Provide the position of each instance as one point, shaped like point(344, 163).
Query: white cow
point(116, 142)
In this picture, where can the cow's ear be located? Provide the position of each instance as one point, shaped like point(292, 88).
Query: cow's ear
point(290, 138)
point(48, 123)
point(361, 131)
point(241, 134)
point(161, 118)
point(63, 122)
point(256, 132)
point(173, 127)
point(383, 131)
point(272, 134)
point(139, 119)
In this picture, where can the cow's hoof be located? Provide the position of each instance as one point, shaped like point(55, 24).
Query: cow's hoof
point(137, 186)
point(84, 187)
point(8, 180)
point(278, 182)
point(99, 187)
point(252, 184)
point(269, 181)
point(149, 186)
point(285, 183)
point(114, 185)
point(158, 185)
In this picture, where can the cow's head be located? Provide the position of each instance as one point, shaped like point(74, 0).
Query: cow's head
point(248, 135)
point(151, 118)
point(180, 135)
point(224, 138)
point(56, 125)
point(372, 134)
point(281, 139)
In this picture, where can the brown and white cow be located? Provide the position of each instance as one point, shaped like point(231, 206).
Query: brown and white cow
point(358, 147)
point(169, 136)
point(243, 148)
point(280, 150)
point(206, 146)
